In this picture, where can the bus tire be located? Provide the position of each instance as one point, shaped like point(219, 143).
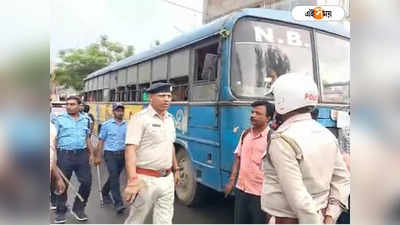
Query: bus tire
point(188, 191)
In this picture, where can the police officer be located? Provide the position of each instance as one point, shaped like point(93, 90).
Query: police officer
point(150, 158)
point(57, 184)
point(74, 151)
point(305, 176)
point(112, 140)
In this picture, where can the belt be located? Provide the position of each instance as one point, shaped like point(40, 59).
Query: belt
point(119, 152)
point(72, 151)
point(286, 220)
point(153, 173)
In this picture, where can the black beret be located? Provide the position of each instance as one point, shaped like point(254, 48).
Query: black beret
point(159, 87)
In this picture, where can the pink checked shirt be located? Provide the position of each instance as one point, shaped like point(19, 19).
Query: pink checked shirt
point(251, 176)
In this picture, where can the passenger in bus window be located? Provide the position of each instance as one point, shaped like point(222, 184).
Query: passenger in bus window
point(247, 176)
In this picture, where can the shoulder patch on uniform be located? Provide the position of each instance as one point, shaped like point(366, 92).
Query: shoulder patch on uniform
point(275, 135)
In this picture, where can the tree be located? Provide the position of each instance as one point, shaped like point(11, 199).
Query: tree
point(76, 64)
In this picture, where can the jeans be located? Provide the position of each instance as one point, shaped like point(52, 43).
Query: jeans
point(248, 208)
point(75, 161)
point(344, 218)
point(115, 162)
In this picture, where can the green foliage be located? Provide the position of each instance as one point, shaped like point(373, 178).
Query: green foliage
point(76, 64)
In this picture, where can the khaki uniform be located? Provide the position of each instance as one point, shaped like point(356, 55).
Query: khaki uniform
point(155, 139)
point(304, 172)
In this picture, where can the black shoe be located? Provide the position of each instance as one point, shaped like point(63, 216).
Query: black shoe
point(79, 215)
point(120, 209)
point(107, 199)
point(60, 218)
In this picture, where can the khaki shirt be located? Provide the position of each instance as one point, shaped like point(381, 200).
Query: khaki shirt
point(303, 169)
point(154, 137)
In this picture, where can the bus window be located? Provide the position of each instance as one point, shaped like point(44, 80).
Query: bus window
point(334, 68)
point(132, 93)
point(180, 90)
point(99, 95)
point(263, 51)
point(112, 95)
point(120, 94)
point(142, 92)
point(206, 59)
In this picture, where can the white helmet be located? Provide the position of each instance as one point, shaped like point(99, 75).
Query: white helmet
point(293, 91)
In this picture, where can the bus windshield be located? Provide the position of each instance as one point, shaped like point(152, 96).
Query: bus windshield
point(262, 51)
point(334, 68)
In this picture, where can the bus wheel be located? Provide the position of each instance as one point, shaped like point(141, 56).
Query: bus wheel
point(188, 191)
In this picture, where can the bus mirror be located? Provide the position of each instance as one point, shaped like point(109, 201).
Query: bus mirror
point(210, 67)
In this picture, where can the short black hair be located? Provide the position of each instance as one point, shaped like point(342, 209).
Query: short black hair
point(270, 108)
point(76, 98)
point(314, 114)
point(86, 108)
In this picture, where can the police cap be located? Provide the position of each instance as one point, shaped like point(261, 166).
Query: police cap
point(117, 105)
point(159, 87)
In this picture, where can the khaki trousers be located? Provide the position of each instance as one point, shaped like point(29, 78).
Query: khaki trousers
point(158, 195)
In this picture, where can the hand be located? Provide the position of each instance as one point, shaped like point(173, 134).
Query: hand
point(176, 177)
point(328, 220)
point(131, 189)
point(60, 186)
point(96, 161)
point(229, 187)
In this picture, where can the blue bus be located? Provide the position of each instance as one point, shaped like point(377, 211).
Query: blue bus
point(217, 71)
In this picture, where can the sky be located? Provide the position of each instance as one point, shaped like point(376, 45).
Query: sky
point(77, 23)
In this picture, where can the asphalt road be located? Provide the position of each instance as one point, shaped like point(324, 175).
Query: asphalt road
point(215, 209)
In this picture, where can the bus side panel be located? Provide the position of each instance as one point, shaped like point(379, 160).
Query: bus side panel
point(324, 117)
point(103, 112)
point(234, 120)
point(131, 110)
point(202, 136)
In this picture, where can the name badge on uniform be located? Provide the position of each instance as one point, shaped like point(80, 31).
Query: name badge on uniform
point(156, 125)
